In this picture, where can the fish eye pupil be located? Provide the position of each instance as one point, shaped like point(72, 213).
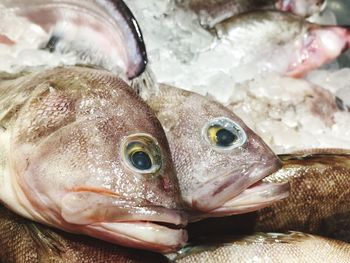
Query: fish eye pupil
point(225, 137)
point(141, 160)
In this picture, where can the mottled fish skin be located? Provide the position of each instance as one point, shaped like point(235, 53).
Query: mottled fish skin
point(214, 181)
point(23, 241)
point(272, 41)
point(212, 12)
point(267, 247)
point(67, 137)
point(319, 201)
point(105, 29)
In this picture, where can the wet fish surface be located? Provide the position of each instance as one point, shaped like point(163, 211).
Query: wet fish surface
point(23, 241)
point(102, 32)
point(268, 247)
point(83, 153)
point(319, 201)
point(219, 161)
point(271, 41)
point(212, 12)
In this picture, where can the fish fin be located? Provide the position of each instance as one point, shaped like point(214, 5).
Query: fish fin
point(190, 249)
point(316, 151)
point(311, 157)
point(257, 238)
point(272, 238)
point(47, 241)
point(145, 85)
point(10, 76)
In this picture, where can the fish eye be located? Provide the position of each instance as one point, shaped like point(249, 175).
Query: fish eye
point(141, 153)
point(224, 134)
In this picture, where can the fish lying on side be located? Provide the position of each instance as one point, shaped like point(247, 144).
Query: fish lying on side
point(83, 153)
point(319, 201)
point(271, 41)
point(212, 12)
point(267, 247)
point(23, 241)
point(41, 242)
point(219, 161)
point(105, 30)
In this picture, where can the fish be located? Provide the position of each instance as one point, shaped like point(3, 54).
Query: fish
point(102, 32)
point(83, 153)
point(318, 202)
point(267, 247)
point(25, 241)
point(272, 41)
point(218, 160)
point(215, 11)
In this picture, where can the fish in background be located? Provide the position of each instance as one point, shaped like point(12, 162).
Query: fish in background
point(266, 247)
point(25, 241)
point(83, 153)
point(212, 12)
point(102, 33)
point(319, 200)
point(271, 41)
point(219, 161)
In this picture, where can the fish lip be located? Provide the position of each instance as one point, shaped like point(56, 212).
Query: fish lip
point(124, 222)
point(136, 69)
point(155, 237)
point(75, 212)
point(208, 200)
point(269, 193)
point(136, 62)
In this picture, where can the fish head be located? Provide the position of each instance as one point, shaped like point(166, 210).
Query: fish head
point(317, 46)
point(217, 157)
point(89, 156)
point(303, 8)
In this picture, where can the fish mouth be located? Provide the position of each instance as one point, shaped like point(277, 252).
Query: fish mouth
point(121, 222)
point(254, 198)
point(226, 197)
point(150, 235)
point(319, 45)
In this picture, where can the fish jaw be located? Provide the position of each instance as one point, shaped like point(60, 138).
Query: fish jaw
point(254, 198)
point(319, 46)
point(124, 222)
point(217, 192)
point(142, 235)
point(303, 8)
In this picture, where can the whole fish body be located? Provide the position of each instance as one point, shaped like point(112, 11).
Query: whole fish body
point(83, 153)
point(24, 241)
point(319, 200)
point(271, 41)
point(216, 178)
point(267, 247)
point(212, 12)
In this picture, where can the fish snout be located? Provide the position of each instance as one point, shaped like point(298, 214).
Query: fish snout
point(320, 45)
point(216, 192)
point(120, 221)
